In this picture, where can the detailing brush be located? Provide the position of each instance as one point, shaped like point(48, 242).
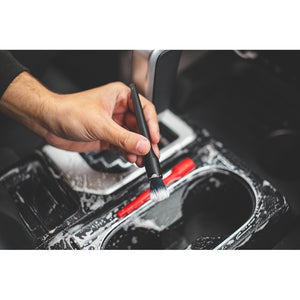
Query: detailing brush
point(158, 190)
point(179, 171)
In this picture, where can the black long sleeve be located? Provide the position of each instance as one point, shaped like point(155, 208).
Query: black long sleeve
point(10, 68)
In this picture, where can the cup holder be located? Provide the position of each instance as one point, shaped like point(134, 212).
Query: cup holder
point(135, 238)
point(214, 205)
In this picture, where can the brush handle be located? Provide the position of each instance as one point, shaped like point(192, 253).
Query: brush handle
point(151, 161)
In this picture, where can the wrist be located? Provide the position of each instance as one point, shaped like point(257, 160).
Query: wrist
point(29, 102)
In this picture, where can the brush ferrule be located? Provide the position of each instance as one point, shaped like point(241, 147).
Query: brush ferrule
point(152, 165)
point(154, 176)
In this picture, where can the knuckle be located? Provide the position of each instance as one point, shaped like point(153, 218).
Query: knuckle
point(151, 107)
point(120, 84)
point(123, 140)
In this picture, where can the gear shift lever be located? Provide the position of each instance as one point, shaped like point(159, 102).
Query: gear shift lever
point(161, 75)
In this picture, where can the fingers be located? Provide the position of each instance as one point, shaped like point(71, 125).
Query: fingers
point(121, 109)
point(126, 140)
point(132, 158)
point(130, 121)
point(156, 150)
point(75, 146)
point(128, 156)
point(139, 161)
point(150, 117)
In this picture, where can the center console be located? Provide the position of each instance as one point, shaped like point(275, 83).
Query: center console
point(69, 200)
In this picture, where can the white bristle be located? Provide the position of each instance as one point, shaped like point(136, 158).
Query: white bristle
point(158, 190)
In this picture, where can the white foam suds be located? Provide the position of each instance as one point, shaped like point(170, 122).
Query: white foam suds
point(61, 236)
point(92, 203)
point(134, 240)
point(216, 181)
point(109, 215)
point(148, 224)
point(99, 203)
point(56, 176)
point(9, 173)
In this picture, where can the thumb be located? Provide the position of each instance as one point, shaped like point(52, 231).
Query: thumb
point(127, 140)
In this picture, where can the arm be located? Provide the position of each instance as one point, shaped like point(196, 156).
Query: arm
point(93, 120)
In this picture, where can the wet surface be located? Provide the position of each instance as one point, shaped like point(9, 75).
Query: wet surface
point(215, 205)
point(39, 201)
point(219, 201)
point(240, 105)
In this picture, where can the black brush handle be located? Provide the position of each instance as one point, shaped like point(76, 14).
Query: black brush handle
point(151, 161)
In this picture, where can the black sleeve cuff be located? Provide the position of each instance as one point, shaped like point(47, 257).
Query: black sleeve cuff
point(10, 68)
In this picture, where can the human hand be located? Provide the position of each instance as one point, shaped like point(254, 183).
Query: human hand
point(92, 120)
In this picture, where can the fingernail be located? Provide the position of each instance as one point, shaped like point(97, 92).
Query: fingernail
point(142, 146)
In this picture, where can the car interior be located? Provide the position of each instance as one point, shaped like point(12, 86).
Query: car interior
point(232, 114)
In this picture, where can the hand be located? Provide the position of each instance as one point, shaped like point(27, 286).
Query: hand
point(93, 120)
point(102, 118)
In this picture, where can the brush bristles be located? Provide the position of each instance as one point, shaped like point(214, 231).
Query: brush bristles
point(158, 190)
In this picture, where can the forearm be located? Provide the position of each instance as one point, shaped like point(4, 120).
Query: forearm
point(92, 120)
point(10, 68)
point(29, 102)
